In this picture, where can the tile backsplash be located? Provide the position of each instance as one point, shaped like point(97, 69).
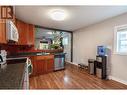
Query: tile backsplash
point(13, 49)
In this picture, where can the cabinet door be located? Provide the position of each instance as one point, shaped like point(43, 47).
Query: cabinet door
point(23, 29)
point(20, 30)
point(31, 35)
point(41, 66)
point(2, 32)
point(49, 65)
point(24, 33)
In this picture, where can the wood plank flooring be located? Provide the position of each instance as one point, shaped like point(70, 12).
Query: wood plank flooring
point(72, 78)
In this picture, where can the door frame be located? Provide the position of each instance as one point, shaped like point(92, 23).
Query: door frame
point(71, 32)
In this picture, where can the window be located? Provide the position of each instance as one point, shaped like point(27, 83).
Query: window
point(43, 45)
point(120, 40)
point(65, 41)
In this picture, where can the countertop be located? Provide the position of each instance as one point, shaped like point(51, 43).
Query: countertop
point(11, 77)
point(28, 54)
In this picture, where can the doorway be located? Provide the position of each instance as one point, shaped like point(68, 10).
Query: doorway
point(44, 38)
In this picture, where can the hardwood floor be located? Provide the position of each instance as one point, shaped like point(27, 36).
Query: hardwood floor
point(72, 78)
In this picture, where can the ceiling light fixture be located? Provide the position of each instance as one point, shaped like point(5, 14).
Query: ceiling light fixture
point(49, 33)
point(58, 15)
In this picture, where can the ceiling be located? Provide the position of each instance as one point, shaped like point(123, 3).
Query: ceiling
point(77, 16)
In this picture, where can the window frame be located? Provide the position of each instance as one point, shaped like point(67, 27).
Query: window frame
point(116, 28)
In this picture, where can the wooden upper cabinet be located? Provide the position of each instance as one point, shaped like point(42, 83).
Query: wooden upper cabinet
point(3, 32)
point(22, 32)
point(26, 33)
point(25, 37)
point(31, 35)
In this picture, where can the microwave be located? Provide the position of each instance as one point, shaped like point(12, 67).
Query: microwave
point(12, 31)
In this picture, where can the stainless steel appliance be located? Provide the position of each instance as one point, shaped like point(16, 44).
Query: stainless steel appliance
point(91, 66)
point(23, 60)
point(1, 59)
point(3, 55)
point(28, 69)
point(30, 66)
point(59, 62)
point(12, 31)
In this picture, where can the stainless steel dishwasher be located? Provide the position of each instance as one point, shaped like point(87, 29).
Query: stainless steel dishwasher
point(59, 61)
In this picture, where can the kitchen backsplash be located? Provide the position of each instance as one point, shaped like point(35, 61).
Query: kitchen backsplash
point(13, 49)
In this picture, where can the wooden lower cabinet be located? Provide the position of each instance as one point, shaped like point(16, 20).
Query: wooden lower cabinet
point(49, 65)
point(34, 66)
point(42, 64)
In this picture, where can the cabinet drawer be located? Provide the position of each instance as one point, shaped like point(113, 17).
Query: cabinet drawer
point(45, 57)
point(40, 57)
point(49, 57)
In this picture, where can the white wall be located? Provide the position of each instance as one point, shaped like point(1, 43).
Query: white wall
point(86, 40)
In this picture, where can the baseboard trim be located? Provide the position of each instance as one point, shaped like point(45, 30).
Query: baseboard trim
point(72, 63)
point(117, 79)
point(109, 77)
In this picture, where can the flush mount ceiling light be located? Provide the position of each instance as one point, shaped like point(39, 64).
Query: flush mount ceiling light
point(58, 15)
point(49, 33)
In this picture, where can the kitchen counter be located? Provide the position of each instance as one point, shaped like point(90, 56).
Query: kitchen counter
point(11, 77)
point(35, 53)
point(44, 62)
point(29, 54)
